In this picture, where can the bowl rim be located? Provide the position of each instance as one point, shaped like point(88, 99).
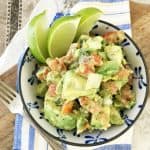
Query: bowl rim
point(20, 65)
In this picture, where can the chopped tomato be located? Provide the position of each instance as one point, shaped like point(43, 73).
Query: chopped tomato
point(68, 59)
point(56, 65)
point(52, 90)
point(114, 36)
point(97, 60)
point(85, 69)
point(67, 107)
point(42, 76)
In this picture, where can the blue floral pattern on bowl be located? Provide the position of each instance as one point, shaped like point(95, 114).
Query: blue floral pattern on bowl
point(89, 139)
point(139, 77)
point(33, 104)
point(61, 134)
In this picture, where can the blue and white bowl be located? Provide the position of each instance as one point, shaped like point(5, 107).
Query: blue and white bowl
point(33, 104)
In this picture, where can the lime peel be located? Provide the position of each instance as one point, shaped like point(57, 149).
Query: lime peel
point(37, 36)
point(61, 35)
point(89, 16)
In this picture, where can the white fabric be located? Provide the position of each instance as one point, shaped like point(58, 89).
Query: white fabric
point(142, 1)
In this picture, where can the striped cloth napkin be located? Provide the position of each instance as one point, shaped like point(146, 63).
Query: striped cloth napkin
point(26, 137)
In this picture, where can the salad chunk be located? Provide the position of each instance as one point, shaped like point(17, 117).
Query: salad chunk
point(88, 87)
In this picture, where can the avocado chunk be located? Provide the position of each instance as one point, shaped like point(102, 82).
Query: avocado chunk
point(83, 38)
point(59, 87)
point(123, 104)
point(82, 124)
point(115, 117)
point(109, 68)
point(101, 120)
point(126, 99)
point(56, 118)
point(108, 100)
point(53, 77)
point(74, 86)
point(114, 52)
point(93, 43)
point(94, 81)
point(41, 89)
point(121, 83)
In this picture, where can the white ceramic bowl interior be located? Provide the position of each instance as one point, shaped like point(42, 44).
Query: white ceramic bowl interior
point(33, 104)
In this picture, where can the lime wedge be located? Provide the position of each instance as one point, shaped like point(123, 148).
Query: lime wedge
point(37, 35)
point(61, 35)
point(89, 16)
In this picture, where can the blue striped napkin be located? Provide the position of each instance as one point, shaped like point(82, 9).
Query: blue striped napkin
point(26, 137)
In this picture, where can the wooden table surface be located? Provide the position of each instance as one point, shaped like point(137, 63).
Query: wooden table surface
point(140, 17)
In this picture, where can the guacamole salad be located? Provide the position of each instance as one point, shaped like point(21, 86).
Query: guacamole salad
point(88, 87)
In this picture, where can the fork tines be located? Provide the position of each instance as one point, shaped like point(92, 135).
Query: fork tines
point(6, 93)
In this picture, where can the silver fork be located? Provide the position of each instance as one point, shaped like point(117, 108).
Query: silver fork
point(11, 99)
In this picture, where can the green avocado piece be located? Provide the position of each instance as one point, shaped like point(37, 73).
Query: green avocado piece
point(115, 117)
point(82, 120)
point(74, 86)
point(103, 55)
point(114, 52)
point(41, 89)
point(83, 38)
point(59, 87)
point(101, 120)
point(53, 77)
point(56, 118)
point(81, 124)
point(118, 104)
point(109, 68)
point(127, 104)
point(121, 83)
point(107, 100)
point(93, 43)
point(94, 81)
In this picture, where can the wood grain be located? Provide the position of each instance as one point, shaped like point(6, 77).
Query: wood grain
point(10, 77)
point(7, 118)
point(140, 16)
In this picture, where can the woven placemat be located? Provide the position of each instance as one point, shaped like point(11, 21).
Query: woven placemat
point(3, 25)
point(13, 16)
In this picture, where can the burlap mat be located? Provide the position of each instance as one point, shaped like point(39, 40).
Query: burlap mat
point(13, 16)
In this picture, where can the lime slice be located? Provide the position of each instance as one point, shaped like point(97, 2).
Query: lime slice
point(61, 35)
point(37, 35)
point(88, 17)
